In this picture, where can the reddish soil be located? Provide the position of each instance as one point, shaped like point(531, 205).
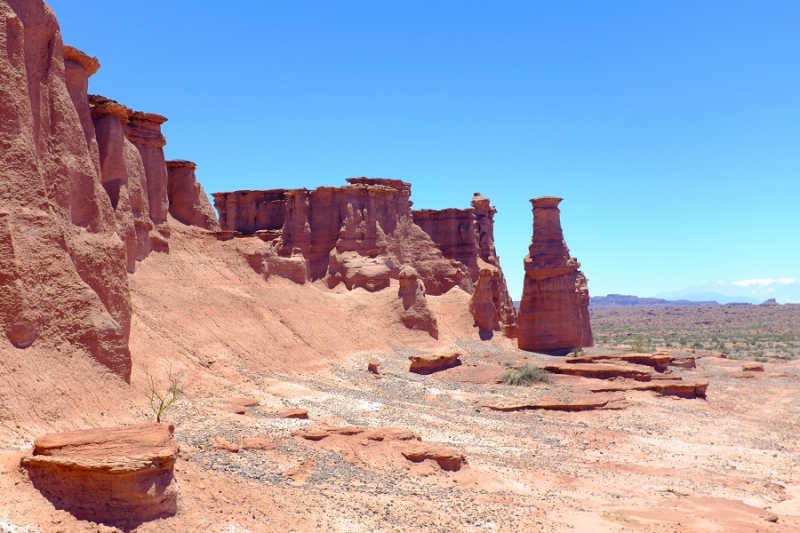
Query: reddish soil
point(249, 349)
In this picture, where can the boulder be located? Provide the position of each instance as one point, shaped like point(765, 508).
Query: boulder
point(188, 201)
point(430, 363)
point(752, 367)
point(448, 459)
point(120, 475)
point(554, 311)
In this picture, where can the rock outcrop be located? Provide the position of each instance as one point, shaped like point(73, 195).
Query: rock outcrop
point(123, 176)
point(430, 363)
point(467, 237)
point(188, 201)
point(251, 211)
point(121, 475)
point(83, 187)
point(63, 267)
point(363, 235)
point(554, 311)
point(416, 314)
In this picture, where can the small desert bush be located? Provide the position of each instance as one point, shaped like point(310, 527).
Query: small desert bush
point(526, 376)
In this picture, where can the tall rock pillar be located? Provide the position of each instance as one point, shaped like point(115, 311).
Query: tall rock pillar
point(554, 312)
point(144, 131)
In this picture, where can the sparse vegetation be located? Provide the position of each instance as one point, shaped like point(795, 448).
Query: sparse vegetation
point(160, 398)
point(526, 376)
point(739, 332)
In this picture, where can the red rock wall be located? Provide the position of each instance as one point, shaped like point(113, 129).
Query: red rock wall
point(467, 236)
point(250, 211)
point(188, 201)
point(65, 276)
point(554, 311)
point(361, 231)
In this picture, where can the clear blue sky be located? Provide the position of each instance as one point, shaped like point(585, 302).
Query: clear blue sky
point(670, 128)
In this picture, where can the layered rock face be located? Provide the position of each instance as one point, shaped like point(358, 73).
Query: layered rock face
point(364, 235)
point(83, 187)
point(188, 201)
point(467, 237)
point(251, 211)
point(121, 475)
point(554, 312)
point(63, 266)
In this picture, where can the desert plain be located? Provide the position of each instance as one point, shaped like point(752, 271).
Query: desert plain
point(338, 361)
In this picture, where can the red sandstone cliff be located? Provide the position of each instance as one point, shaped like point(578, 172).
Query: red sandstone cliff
point(361, 234)
point(187, 199)
point(467, 237)
point(83, 180)
point(63, 274)
point(554, 312)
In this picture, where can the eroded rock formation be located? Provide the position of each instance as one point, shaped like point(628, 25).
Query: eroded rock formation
point(187, 199)
point(121, 475)
point(251, 211)
point(82, 182)
point(416, 314)
point(467, 237)
point(554, 311)
point(364, 234)
point(64, 268)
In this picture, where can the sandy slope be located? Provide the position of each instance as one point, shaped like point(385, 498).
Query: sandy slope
point(728, 463)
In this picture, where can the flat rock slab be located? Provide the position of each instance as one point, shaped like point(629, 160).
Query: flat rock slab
point(575, 402)
point(752, 367)
point(660, 362)
point(682, 389)
point(430, 363)
point(601, 370)
point(119, 475)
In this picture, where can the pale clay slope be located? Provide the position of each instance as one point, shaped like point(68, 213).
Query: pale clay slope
point(661, 464)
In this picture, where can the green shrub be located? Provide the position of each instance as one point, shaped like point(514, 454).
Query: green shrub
point(526, 376)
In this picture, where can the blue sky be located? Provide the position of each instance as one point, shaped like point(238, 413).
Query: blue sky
point(670, 128)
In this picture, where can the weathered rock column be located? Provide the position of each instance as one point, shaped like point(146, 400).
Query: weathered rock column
point(554, 312)
point(144, 131)
point(491, 282)
point(187, 199)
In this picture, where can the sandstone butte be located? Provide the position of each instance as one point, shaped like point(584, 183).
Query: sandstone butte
point(554, 311)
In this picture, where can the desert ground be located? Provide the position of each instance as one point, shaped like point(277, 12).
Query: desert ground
point(622, 460)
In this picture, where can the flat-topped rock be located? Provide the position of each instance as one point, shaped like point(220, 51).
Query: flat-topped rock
point(574, 402)
point(120, 475)
point(660, 362)
point(448, 459)
point(752, 367)
point(683, 389)
point(601, 370)
point(430, 363)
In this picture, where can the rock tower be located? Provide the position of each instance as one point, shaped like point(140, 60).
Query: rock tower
point(554, 312)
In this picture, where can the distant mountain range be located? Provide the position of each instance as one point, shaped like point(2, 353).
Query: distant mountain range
point(624, 300)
